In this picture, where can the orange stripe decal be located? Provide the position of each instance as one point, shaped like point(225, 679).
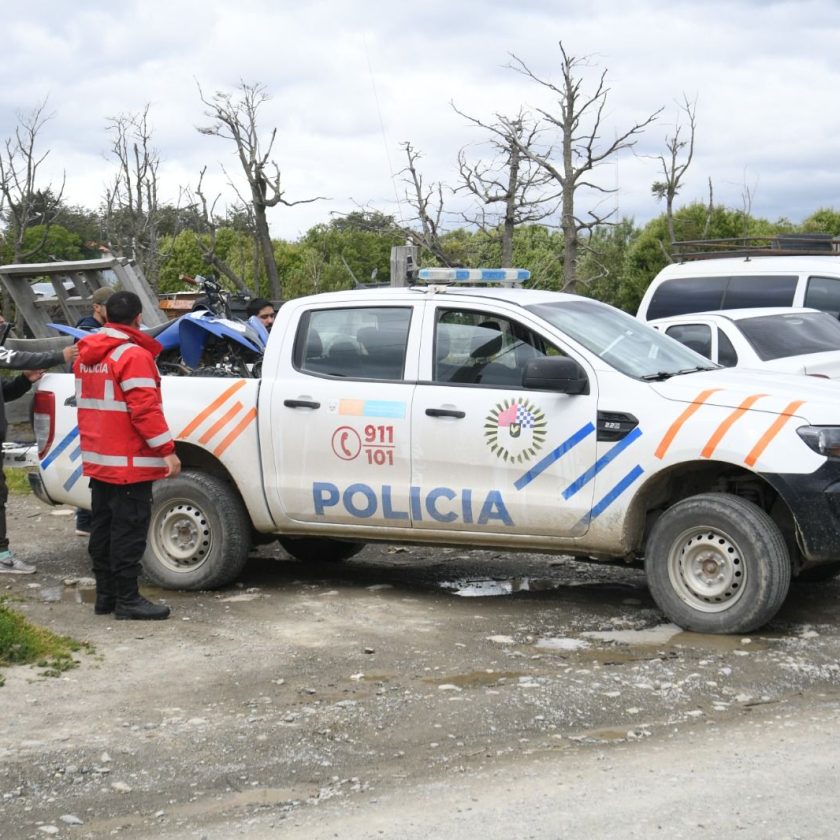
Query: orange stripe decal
point(727, 424)
point(237, 430)
point(235, 409)
point(767, 437)
point(669, 436)
point(203, 415)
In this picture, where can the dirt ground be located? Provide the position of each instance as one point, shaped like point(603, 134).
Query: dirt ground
point(413, 693)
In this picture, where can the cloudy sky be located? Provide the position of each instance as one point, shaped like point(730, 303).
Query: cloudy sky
point(350, 80)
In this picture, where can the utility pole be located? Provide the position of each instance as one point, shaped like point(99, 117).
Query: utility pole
point(403, 264)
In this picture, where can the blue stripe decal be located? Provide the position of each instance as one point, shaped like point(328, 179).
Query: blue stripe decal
point(60, 448)
point(601, 463)
point(614, 493)
point(554, 455)
point(76, 453)
point(76, 475)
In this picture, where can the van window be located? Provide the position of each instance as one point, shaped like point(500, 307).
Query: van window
point(824, 293)
point(684, 295)
point(750, 290)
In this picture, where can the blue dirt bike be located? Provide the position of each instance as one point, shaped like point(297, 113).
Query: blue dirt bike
point(206, 341)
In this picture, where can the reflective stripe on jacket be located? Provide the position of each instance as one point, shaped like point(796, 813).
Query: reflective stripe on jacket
point(124, 435)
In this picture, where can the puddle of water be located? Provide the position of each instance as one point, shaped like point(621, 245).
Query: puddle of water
point(723, 644)
point(206, 806)
point(475, 679)
point(490, 587)
point(603, 735)
point(672, 636)
point(661, 634)
point(67, 594)
point(562, 644)
point(245, 596)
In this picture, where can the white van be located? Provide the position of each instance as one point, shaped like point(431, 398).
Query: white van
point(742, 283)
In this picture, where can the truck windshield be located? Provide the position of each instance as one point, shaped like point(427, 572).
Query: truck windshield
point(794, 334)
point(620, 340)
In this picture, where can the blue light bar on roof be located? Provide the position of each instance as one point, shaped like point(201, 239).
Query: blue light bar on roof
point(474, 275)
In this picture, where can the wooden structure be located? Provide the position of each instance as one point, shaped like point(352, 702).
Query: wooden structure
point(72, 284)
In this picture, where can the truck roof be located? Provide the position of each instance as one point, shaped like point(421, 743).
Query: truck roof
point(516, 296)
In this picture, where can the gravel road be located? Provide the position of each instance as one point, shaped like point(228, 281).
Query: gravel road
point(414, 693)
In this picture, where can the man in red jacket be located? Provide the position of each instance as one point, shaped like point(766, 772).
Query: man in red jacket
point(126, 445)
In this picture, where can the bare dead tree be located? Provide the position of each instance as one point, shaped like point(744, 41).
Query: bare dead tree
point(709, 210)
point(132, 210)
point(747, 195)
point(512, 180)
point(674, 164)
point(20, 208)
point(235, 119)
point(196, 197)
point(579, 123)
point(428, 205)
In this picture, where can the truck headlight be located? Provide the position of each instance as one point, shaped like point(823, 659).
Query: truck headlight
point(822, 439)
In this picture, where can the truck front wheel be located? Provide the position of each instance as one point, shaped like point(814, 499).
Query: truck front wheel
point(199, 536)
point(717, 563)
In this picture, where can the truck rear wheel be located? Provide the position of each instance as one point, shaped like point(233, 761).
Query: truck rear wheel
point(320, 550)
point(199, 536)
point(717, 563)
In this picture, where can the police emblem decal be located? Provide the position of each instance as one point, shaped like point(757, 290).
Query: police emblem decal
point(515, 430)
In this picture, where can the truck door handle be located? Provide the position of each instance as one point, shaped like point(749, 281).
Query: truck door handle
point(301, 404)
point(446, 412)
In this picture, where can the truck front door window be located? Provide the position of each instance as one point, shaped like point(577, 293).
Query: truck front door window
point(474, 348)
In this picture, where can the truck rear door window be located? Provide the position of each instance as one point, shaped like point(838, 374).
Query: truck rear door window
point(698, 337)
point(355, 342)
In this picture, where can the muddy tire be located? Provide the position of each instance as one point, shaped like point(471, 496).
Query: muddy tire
point(199, 536)
point(318, 550)
point(716, 563)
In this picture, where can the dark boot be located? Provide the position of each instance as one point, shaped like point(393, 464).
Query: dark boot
point(106, 594)
point(132, 605)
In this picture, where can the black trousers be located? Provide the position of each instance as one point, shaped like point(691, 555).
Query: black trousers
point(4, 497)
point(119, 527)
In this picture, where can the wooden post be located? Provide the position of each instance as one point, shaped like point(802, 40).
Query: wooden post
point(403, 264)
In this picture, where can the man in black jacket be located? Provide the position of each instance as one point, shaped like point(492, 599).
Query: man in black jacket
point(33, 366)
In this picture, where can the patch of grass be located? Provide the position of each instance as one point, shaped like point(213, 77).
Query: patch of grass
point(17, 479)
point(23, 643)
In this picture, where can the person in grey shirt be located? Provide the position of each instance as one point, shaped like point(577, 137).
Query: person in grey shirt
point(32, 366)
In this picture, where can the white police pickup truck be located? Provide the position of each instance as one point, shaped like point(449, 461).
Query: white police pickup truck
point(492, 417)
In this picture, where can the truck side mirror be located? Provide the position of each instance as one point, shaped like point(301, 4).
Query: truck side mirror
point(556, 373)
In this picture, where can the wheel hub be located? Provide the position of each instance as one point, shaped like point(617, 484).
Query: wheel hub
point(706, 569)
point(182, 536)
